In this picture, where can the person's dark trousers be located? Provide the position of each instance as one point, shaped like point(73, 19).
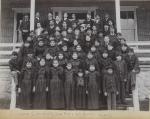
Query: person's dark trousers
point(24, 36)
point(122, 92)
point(128, 84)
point(111, 101)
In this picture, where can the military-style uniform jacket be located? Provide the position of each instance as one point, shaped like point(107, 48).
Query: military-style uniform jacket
point(121, 69)
point(110, 83)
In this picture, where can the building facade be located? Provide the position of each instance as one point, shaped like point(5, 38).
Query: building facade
point(134, 14)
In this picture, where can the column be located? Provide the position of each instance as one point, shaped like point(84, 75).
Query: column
point(118, 21)
point(32, 14)
point(0, 20)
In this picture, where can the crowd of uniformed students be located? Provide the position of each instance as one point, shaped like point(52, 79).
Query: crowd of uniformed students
point(68, 64)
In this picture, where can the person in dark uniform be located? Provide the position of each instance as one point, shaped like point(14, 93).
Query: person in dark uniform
point(110, 87)
point(121, 70)
point(25, 27)
point(98, 23)
point(80, 90)
point(37, 19)
point(133, 69)
point(88, 22)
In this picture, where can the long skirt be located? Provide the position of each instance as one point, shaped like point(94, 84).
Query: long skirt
point(57, 94)
point(25, 95)
point(93, 95)
point(69, 87)
point(80, 100)
point(40, 95)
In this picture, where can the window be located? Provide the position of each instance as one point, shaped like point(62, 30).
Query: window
point(127, 14)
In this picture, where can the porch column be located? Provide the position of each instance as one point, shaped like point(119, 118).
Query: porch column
point(118, 21)
point(0, 20)
point(32, 14)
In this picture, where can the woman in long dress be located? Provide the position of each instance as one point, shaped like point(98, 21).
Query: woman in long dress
point(56, 87)
point(40, 87)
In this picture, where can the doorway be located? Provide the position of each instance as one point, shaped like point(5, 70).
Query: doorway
point(18, 16)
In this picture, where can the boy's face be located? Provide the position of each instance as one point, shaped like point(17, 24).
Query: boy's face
point(123, 41)
point(110, 71)
point(27, 44)
point(64, 24)
point(41, 43)
point(110, 23)
point(69, 30)
point(97, 17)
point(80, 74)
point(106, 16)
point(42, 62)
point(75, 56)
point(77, 32)
point(74, 25)
point(88, 16)
point(65, 15)
point(105, 55)
point(93, 49)
point(60, 56)
point(130, 53)
point(14, 57)
point(94, 28)
point(52, 43)
point(92, 68)
point(88, 38)
point(48, 56)
point(100, 34)
point(32, 34)
point(29, 39)
point(78, 48)
point(69, 66)
point(57, 29)
point(82, 29)
point(73, 16)
point(55, 63)
point(106, 27)
point(51, 38)
point(124, 48)
point(64, 33)
point(38, 25)
point(29, 65)
point(57, 18)
point(89, 32)
point(110, 47)
point(106, 39)
point(119, 58)
point(50, 16)
point(51, 23)
point(97, 43)
point(30, 55)
point(64, 48)
point(90, 55)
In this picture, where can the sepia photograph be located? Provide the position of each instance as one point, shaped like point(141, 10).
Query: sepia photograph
point(75, 55)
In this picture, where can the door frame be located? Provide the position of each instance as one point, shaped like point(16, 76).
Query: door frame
point(16, 11)
point(132, 8)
